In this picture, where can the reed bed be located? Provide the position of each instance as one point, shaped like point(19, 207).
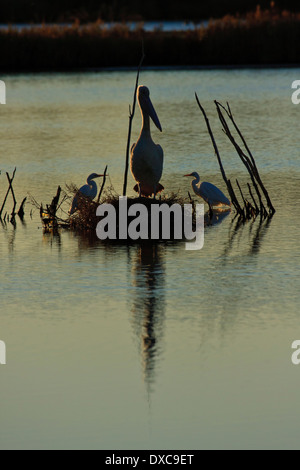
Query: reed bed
point(261, 37)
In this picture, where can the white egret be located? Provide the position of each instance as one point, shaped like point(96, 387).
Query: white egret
point(89, 190)
point(146, 159)
point(209, 192)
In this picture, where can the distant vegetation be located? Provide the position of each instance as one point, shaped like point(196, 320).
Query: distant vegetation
point(260, 37)
point(21, 11)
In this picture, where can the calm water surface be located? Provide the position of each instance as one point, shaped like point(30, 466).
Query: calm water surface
point(156, 347)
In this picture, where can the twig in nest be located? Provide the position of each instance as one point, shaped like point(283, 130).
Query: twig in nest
point(102, 186)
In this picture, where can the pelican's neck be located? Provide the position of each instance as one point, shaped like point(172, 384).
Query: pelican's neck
point(146, 121)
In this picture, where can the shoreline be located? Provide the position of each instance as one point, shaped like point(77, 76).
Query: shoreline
point(154, 68)
point(262, 39)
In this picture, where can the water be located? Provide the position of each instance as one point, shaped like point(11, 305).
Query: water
point(154, 348)
point(147, 25)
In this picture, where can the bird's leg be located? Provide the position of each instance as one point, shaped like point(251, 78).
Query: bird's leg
point(210, 212)
point(140, 190)
point(154, 192)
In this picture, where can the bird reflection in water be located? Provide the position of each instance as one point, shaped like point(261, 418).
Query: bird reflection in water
point(52, 238)
point(148, 308)
point(215, 217)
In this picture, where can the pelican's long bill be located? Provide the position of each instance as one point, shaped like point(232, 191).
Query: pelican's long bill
point(152, 113)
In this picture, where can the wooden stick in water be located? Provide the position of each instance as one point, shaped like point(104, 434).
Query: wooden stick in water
point(251, 161)
point(10, 180)
point(233, 197)
point(9, 189)
point(21, 212)
point(131, 115)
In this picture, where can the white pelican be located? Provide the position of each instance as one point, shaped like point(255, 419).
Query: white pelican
point(146, 159)
point(89, 190)
point(209, 192)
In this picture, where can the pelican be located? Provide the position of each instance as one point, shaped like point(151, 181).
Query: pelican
point(89, 190)
point(209, 192)
point(146, 159)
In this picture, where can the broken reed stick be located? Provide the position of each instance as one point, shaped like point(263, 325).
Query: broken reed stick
point(253, 199)
point(248, 160)
point(131, 115)
point(254, 168)
point(13, 196)
point(233, 197)
point(21, 211)
point(102, 186)
point(53, 206)
point(8, 191)
point(241, 192)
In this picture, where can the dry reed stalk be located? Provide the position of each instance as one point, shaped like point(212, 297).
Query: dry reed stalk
point(248, 160)
point(248, 211)
point(131, 115)
point(233, 197)
point(102, 186)
point(10, 188)
point(21, 211)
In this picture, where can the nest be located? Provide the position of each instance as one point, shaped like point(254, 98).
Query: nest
point(86, 219)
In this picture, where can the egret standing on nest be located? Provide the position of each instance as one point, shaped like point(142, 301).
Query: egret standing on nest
point(209, 192)
point(146, 160)
point(89, 190)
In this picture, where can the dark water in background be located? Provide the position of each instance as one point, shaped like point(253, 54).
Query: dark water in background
point(147, 25)
point(130, 347)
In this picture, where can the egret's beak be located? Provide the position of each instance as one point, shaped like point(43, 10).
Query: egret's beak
point(99, 176)
point(188, 175)
point(152, 113)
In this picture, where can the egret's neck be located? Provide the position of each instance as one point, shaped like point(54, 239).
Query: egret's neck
point(92, 183)
point(196, 181)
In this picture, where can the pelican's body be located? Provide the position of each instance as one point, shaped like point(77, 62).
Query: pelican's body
point(209, 192)
point(146, 162)
point(89, 190)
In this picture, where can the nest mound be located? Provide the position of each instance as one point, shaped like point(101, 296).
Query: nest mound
point(86, 218)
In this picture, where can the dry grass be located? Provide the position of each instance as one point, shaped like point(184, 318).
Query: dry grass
point(260, 37)
point(85, 219)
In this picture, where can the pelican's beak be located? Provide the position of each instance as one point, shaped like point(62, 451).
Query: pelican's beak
point(152, 114)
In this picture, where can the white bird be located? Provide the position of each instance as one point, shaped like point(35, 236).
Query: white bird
point(146, 159)
point(89, 190)
point(209, 192)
